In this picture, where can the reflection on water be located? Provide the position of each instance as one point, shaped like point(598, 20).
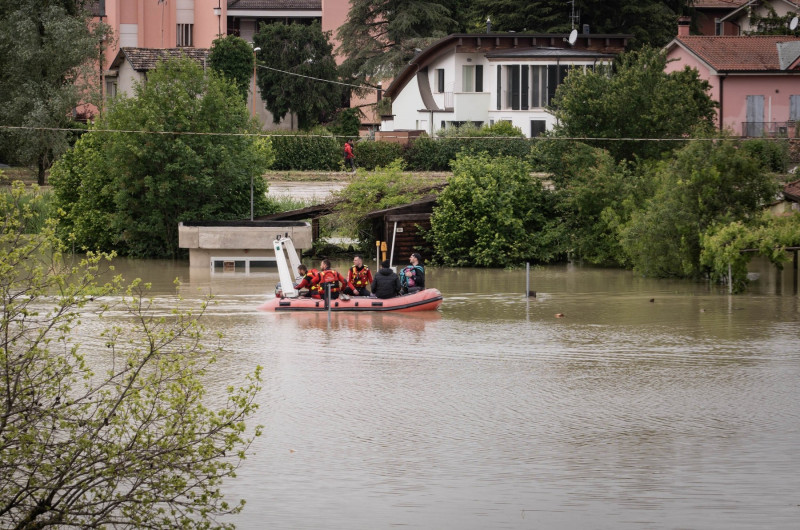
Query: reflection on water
point(650, 404)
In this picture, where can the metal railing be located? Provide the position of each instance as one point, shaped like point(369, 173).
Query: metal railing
point(771, 129)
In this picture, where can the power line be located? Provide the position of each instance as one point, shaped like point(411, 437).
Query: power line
point(270, 135)
point(320, 79)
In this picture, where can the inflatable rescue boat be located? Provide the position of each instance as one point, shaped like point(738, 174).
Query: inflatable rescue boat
point(290, 300)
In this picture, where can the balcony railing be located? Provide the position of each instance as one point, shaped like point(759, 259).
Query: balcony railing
point(771, 129)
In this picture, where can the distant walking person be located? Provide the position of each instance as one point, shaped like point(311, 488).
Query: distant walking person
point(349, 156)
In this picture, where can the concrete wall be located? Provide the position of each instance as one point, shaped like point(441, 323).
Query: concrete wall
point(205, 242)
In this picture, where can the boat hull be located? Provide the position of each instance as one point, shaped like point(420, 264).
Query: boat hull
point(425, 300)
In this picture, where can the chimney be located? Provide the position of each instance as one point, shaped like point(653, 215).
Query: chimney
point(683, 26)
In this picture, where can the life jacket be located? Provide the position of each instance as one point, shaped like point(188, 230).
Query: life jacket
point(360, 277)
point(328, 276)
point(313, 279)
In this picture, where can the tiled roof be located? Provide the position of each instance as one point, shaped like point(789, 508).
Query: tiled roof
point(143, 59)
point(275, 4)
point(792, 191)
point(718, 4)
point(742, 53)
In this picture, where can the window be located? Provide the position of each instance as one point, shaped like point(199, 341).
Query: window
point(472, 78)
point(184, 35)
point(538, 127)
point(440, 80)
point(794, 108)
point(111, 88)
point(717, 27)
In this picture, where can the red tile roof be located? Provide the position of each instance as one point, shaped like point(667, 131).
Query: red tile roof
point(742, 53)
point(792, 191)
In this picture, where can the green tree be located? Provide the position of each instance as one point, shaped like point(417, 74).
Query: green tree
point(379, 37)
point(638, 100)
point(650, 22)
point(48, 56)
point(233, 57)
point(723, 246)
point(126, 437)
point(593, 196)
point(192, 159)
point(304, 51)
point(705, 183)
point(492, 213)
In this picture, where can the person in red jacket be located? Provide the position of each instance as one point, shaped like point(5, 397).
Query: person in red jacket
point(349, 156)
point(310, 281)
point(328, 276)
point(360, 277)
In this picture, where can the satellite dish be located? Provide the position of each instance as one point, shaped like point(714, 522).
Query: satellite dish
point(793, 24)
point(573, 36)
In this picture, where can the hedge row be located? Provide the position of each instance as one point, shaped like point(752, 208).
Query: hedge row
point(325, 153)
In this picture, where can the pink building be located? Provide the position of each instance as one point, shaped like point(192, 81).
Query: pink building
point(755, 79)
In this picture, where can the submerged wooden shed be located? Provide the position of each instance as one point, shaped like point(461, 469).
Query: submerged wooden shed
point(403, 228)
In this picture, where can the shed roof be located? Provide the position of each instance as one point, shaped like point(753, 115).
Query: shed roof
point(750, 53)
point(144, 59)
point(792, 191)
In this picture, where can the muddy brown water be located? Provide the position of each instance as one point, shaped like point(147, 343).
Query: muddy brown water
point(649, 404)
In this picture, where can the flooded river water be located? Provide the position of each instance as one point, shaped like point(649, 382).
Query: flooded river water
point(651, 404)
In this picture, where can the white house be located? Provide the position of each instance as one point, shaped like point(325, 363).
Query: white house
point(740, 18)
point(486, 78)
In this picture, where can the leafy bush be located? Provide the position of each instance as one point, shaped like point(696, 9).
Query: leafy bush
point(723, 244)
point(346, 123)
point(772, 154)
point(302, 151)
point(436, 154)
point(493, 213)
point(33, 206)
point(368, 191)
point(371, 154)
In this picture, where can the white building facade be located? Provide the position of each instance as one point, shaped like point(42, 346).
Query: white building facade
point(489, 78)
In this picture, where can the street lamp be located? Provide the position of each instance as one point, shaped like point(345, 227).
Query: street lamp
point(218, 13)
point(255, 60)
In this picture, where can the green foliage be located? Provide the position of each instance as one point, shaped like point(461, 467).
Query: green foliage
point(773, 155)
point(651, 22)
point(302, 151)
point(379, 37)
point(368, 191)
point(128, 191)
point(436, 154)
point(124, 437)
point(769, 236)
point(705, 183)
point(47, 51)
point(34, 204)
point(303, 50)
point(233, 58)
point(371, 154)
point(771, 23)
point(639, 100)
point(594, 195)
point(492, 214)
point(346, 123)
